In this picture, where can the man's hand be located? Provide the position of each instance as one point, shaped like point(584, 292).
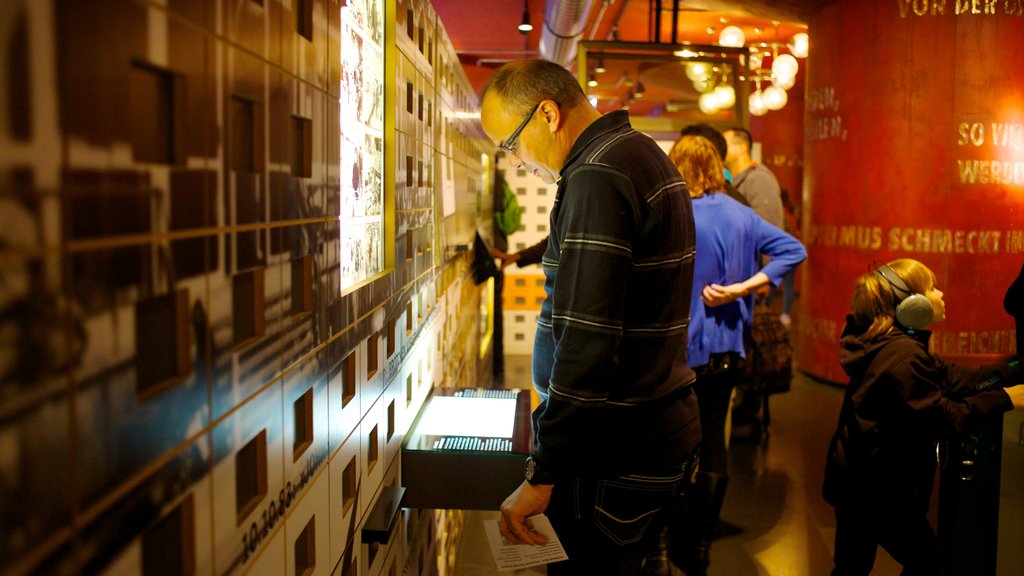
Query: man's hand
point(528, 500)
point(506, 258)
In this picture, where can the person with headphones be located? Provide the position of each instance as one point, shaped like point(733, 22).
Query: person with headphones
point(900, 400)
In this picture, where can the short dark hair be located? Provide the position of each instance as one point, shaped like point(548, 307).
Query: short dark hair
point(743, 133)
point(711, 133)
point(524, 83)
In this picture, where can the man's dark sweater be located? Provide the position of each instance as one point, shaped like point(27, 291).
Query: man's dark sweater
point(610, 349)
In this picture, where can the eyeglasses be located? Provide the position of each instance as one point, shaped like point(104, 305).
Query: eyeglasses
point(509, 145)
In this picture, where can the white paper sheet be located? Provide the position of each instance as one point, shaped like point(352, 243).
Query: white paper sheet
point(510, 556)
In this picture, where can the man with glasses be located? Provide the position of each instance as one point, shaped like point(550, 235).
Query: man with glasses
point(617, 424)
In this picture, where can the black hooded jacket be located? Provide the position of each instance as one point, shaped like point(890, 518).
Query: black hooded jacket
point(1013, 302)
point(899, 403)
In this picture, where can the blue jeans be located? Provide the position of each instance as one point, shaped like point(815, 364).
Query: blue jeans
point(607, 525)
point(789, 293)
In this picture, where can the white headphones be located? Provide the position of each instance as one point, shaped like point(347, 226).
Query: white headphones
point(913, 310)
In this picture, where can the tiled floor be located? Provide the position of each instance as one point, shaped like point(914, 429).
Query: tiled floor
point(777, 523)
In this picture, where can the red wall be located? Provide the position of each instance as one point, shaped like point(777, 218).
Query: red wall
point(892, 99)
point(781, 134)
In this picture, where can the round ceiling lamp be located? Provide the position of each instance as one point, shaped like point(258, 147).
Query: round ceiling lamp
point(704, 85)
point(732, 36)
point(697, 71)
point(725, 95)
point(756, 105)
point(785, 66)
point(784, 83)
point(775, 98)
point(800, 45)
point(708, 103)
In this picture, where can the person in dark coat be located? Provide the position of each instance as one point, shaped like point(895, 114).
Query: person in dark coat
point(617, 426)
point(900, 400)
point(1013, 303)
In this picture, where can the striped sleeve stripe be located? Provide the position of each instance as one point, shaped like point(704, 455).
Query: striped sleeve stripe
point(600, 150)
point(554, 390)
point(624, 248)
point(590, 323)
point(665, 261)
point(674, 329)
point(689, 256)
point(664, 189)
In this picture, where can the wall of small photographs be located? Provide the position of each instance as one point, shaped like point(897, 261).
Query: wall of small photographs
point(233, 264)
point(361, 131)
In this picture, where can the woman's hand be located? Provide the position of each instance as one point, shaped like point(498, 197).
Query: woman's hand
point(717, 295)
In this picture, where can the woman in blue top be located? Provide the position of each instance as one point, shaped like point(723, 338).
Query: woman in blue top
point(727, 272)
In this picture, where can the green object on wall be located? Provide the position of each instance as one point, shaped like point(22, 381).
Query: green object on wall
point(510, 217)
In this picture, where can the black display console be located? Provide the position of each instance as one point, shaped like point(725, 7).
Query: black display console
point(467, 448)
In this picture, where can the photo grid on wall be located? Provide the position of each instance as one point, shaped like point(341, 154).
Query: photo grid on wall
point(361, 132)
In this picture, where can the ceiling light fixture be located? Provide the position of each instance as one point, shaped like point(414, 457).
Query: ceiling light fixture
point(784, 66)
point(732, 36)
point(713, 82)
point(697, 71)
point(774, 97)
point(799, 45)
point(717, 92)
point(755, 103)
point(525, 25)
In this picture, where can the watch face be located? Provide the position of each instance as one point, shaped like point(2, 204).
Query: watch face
point(531, 468)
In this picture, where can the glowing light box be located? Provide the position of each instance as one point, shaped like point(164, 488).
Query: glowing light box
point(467, 448)
point(460, 416)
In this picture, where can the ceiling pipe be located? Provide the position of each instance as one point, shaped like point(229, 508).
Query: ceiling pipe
point(600, 16)
point(613, 31)
point(564, 23)
point(485, 61)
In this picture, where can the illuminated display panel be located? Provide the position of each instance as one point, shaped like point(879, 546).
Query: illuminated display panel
point(361, 130)
point(467, 448)
point(458, 416)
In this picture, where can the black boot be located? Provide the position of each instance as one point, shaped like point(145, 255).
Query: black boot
point(694, 521)
point(656, 562)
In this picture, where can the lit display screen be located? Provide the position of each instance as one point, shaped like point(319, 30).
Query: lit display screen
point(361, 133)
point(455, 416)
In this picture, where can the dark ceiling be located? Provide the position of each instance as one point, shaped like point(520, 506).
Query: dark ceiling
point(485, 36)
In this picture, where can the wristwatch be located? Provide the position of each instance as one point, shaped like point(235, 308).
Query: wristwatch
point(535, 474)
